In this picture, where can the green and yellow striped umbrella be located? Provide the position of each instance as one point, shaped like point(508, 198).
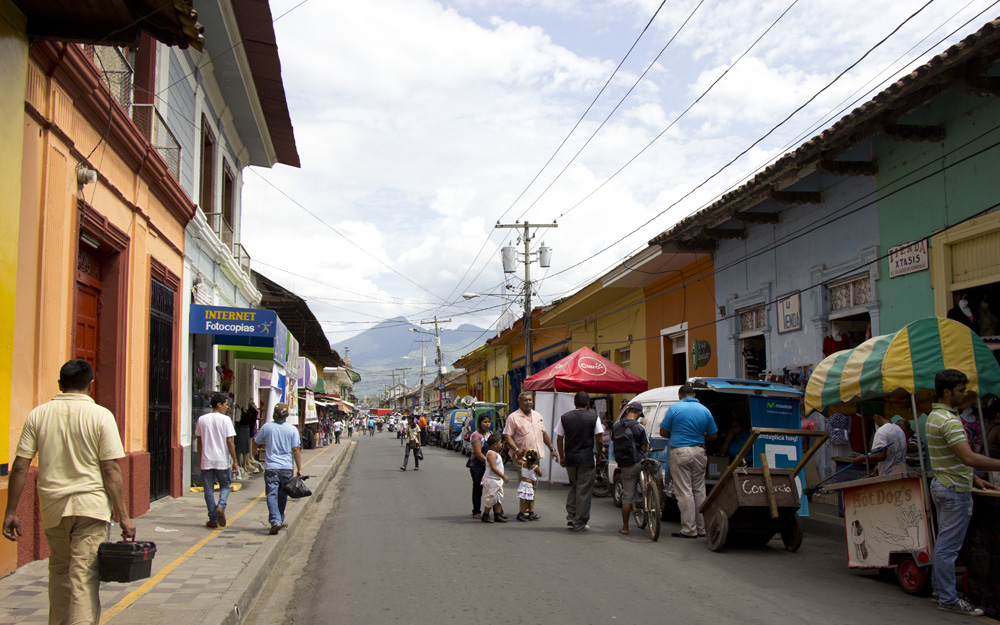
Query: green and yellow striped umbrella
point(906, 361)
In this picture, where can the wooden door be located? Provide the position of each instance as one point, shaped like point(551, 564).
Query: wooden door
point(88, 311)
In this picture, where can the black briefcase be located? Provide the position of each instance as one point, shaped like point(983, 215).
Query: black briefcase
point(125, 561)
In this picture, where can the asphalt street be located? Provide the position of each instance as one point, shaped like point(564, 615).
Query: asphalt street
point(385, 546)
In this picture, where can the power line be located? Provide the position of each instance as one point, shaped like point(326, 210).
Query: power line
point(622, 101)
point(345, 237)
point(833, 113)
point(561, 144)
point(825, 220)
point(731, 161)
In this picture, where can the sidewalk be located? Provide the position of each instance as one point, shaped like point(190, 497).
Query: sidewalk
point(200, 575)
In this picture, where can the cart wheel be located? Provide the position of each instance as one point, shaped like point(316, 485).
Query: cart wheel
point(718, 530)
point(791, 534)
point(913, 579)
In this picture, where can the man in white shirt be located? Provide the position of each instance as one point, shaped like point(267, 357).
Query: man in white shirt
point(890, 437)
point(338, 426)
point(215, 434)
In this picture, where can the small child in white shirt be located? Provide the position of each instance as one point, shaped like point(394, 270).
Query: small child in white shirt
point(530, 471)
point(493, 481)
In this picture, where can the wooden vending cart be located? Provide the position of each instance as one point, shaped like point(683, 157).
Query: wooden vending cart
point(888, 519)
point(750, 505)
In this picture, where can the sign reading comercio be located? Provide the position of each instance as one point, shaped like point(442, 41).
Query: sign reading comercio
point(249, 322)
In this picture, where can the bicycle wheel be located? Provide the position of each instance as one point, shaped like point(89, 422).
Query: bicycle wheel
point(653, 512)
point(638, 509)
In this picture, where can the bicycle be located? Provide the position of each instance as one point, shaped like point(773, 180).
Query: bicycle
point(647, 510)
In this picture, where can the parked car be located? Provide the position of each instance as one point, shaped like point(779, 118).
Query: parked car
point(753, 403)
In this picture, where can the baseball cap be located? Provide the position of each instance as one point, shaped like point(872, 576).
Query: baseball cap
point(280, 412)
point(633, 406)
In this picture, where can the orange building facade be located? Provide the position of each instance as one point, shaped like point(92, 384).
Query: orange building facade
point(100, 252)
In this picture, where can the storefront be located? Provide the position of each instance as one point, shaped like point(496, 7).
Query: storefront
point(250, 346)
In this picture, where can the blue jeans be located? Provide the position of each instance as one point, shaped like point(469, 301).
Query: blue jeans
point(209, 477)
point(954, 512)
point(274, 480)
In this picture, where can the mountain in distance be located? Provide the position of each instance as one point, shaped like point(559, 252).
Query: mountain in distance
point(380, 349)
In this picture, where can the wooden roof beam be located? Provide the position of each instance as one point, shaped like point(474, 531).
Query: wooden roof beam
point(982, 85)
point(794, 197)
point(724, 233)
point(912, 132)
point(757, 218)
point(848, 168)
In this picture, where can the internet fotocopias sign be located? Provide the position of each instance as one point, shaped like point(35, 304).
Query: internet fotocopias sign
point(232, 321)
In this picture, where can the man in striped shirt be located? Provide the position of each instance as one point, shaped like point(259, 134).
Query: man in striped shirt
point(953, 462)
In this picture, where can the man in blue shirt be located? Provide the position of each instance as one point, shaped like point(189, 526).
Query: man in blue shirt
point(688, 424)
point(281, 447)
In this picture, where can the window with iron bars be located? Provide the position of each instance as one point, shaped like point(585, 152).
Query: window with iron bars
point(753, 318)
point(850, 293)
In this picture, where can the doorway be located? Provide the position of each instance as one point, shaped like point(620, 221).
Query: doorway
point(161, 350)
point(86, 336)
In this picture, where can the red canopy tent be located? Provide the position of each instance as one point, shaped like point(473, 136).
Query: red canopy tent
point(585, 370)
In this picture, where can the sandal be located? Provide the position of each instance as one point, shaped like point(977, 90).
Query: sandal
point(402, 468)
point(521, 517)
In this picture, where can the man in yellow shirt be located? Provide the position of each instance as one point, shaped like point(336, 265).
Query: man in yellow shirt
point(79, 485)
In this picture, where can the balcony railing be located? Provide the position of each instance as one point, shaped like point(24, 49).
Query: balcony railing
point(116, 72)
point(220, 226)
point(242, 258)
point(154, 127)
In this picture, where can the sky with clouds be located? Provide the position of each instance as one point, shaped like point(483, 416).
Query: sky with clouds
point(420, 124)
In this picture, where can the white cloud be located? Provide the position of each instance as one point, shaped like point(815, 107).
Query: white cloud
point(419, 123)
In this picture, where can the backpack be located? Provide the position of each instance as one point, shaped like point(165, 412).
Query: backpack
point(623, 443)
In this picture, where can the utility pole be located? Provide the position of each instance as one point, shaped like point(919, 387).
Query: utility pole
point(529, 367)
point(420, 399)
point(402, 377)
point(440, 358)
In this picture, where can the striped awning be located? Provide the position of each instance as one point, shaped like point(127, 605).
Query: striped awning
point(905, 362)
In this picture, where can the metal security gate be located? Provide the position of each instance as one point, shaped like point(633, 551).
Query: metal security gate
point(161, 348)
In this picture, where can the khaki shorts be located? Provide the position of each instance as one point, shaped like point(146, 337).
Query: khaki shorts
point(630, 483)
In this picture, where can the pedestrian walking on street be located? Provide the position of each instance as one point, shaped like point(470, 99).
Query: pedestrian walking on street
point(953, 462)
point(338, 426)
point(282, 456)
point(217, 454)
point(525, 429)
point(578, 435)
point(80, 490)
point(493, 481)
point(689, 425)
point(629, 442)
point(412, 445)
point(350, 428)
point(477, 461)
point(423, 430)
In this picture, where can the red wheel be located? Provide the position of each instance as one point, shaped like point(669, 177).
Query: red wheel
point(913, 579)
